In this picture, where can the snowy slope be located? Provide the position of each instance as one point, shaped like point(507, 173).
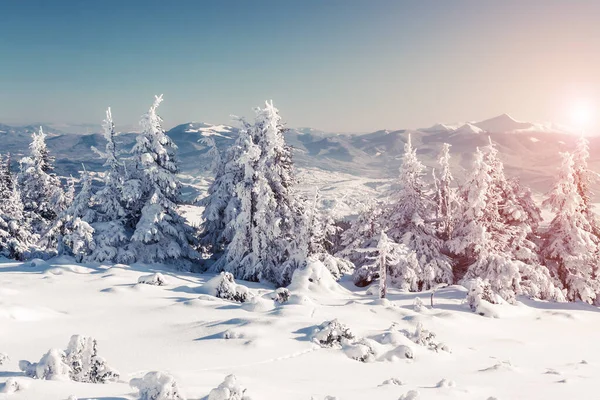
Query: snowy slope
point(526, 353)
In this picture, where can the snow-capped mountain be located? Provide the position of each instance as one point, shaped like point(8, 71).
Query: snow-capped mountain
point(529, 150)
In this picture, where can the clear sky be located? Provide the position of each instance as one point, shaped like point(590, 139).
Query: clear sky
point(336, 65)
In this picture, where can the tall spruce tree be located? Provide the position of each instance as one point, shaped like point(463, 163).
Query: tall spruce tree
point(160, 233)
point(570, 245)
point(411, 219)
point(43, 196)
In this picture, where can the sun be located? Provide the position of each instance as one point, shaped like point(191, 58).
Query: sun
point(582, 114)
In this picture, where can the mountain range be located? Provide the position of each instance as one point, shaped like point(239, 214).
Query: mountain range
point(529, 150)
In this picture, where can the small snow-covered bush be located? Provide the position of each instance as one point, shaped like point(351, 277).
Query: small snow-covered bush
point(229, 389)
point(480, 291)
point(224, 287)
point(51, 366)
point(156, 279)
point(393, 381)
point(281, 295)
point(337, 266)
point(332, 334)
point(445, 383)
point(363, 350)
point(11, 386)
point(3, 358)
point(80, 363)
point(86, 365)
point(418, 305)
point(157, 385)
point(426, 338)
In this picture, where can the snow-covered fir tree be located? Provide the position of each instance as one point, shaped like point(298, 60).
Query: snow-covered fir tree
point(362, 234)
point(584, 179)
point(109, 223)
point(253, 214)
point(222, 204)
point(43, 196)
point(570, 245)
point(446, 197)
point(411, 219)
point(494, 237)
point(75, 234)
point(16, 237)
point(153, 194)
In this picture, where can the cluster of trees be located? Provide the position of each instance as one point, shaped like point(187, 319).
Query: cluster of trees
point(131, 217)
point(257, 226)
point(486, 229)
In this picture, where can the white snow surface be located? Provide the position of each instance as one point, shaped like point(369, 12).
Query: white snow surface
point(534, 350)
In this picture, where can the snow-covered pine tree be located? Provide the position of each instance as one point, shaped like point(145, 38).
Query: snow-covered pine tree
point(16, 238)
point(41, 191)
point(267, 214)
point(221, 205)
point(446, 197)
point(584, 179)
point(75, 234)
point(160, 233)
point(109, 223)
point(570, 245)
point(279, 213)
point(362, 234)
point(411, 220)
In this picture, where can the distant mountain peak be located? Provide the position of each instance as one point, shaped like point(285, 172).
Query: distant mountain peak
point(503, 123)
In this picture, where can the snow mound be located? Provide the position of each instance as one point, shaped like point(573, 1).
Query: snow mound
point(257, 304)
point(156, 279)
point(229, 389)
point(393, 381)
point(445, 383)
point(156, 385)
point(410, 395)
point(51, 366)
point(315, 278)
point(11, 386)
point(3, 358)
point(281, 295)
point(224, 287)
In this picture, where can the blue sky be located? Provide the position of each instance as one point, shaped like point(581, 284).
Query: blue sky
point(337, 65)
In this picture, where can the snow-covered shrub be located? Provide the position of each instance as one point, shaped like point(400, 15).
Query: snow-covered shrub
point(229, 389)
point(11, 386)
point(86, 366)
point(446, 383)
point(479, 290)
point(363, 350)
point(156, 279)
point(336, 265)
point(80, 363)
point(332, 334)
point(52, 366)
point(424, 337)
point(3, 358)
point(418, 305)
point(224, 287)
point(281, 295)
point(157, 385)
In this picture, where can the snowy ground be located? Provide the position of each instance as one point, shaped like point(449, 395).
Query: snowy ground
point(535, 350)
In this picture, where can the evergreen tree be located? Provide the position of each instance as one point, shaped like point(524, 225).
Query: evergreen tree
point(411, 221)
point(41, 191)
point(160, 233)
point(570, 245)
point(445, 195)
point(110, 233)
point(584, 179)
point(16, 238)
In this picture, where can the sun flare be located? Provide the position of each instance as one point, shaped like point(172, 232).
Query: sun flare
point(582, 114)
